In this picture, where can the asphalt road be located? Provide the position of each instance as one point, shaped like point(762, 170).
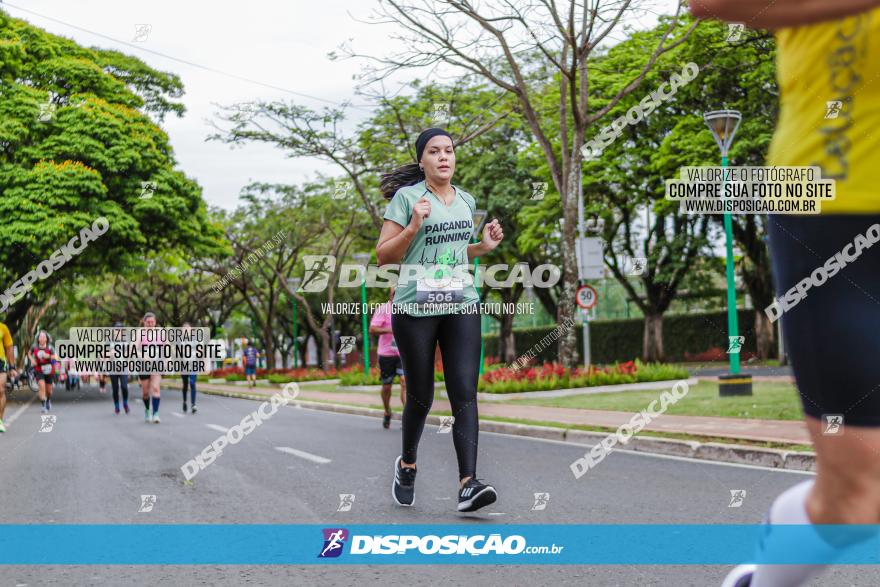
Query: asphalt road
point(94, 466)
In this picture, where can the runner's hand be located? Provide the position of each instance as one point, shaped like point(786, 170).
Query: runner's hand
point(421, 210)
point(492, 234)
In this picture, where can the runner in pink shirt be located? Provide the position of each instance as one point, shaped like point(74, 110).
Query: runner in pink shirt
point(389, 357)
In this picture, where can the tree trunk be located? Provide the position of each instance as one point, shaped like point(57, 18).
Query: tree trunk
point(568, 340)
point(325, 349)
point(764, 335)
point(269, 348)
point(652, 346)
point(507, 339)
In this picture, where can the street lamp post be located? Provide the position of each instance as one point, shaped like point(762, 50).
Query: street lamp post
point(363, 259)
point(293, 284)
point(479, 220)
point(227, 330)
point(530, 294)
point(724, 124)
point(215, 319)
point(253, 320)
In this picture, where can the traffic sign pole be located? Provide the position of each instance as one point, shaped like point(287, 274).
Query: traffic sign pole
point(586, 298)
point(587, 357)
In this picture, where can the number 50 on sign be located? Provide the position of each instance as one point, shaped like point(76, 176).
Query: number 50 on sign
point(586, 297)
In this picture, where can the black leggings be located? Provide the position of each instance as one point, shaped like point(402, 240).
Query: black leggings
point(459, 338)
point(117, 381)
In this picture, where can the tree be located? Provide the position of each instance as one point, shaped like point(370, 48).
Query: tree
point(500, 43)
point(629, 175)
point(175, 291)
point(77, 143)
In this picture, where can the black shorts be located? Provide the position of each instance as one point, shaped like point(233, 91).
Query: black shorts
point(832, 334)
point(143, 376)
point(388, 368)
point(50, 379)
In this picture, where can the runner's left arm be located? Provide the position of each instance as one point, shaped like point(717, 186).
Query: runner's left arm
point(492, 237)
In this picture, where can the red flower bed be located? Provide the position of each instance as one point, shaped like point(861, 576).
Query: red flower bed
point(557, 370)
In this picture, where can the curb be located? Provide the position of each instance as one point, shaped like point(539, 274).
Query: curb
point(705, 451)
point(551, 393)
point(577, 391)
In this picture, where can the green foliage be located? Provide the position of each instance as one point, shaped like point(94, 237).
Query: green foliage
point(76, 143)
point(621, 340)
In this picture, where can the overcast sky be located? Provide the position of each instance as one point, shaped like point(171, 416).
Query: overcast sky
point(276, 42)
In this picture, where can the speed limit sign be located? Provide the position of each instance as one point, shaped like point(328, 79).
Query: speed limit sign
point(586, 297)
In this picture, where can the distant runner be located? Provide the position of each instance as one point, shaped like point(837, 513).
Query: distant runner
point(249, 359)
point(389, 358)
point(44, 359)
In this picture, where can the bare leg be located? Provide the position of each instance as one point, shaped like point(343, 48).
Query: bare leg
point(386, 397)
point(2, 395)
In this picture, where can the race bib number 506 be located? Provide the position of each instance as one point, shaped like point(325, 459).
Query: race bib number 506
point(438, 291)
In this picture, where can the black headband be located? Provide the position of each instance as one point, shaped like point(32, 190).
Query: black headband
point(426, 136)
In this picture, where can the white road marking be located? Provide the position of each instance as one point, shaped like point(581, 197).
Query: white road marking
point(302, 454)
point(178, 414)
point(576, 445)
point(217, 428)
point(19, 411)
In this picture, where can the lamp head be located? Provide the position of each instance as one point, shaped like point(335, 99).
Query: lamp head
point(723, 124)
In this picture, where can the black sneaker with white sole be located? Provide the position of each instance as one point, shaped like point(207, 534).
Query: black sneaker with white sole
point(403, 489)
point(474, 495)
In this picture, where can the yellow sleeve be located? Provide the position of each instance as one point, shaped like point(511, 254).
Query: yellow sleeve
point(7, 337)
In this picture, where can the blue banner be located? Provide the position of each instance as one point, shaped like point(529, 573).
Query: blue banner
point(624, 544)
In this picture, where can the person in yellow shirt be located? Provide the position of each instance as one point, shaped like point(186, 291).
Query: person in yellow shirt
point(825, 267)
point(7, 361)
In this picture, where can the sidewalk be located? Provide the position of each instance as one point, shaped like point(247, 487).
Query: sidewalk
point(755, 430)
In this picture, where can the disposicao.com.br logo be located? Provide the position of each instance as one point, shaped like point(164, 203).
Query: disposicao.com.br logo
point(334, 540)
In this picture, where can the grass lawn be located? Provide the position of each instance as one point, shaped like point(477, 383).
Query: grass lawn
point(725, 364)
point(306, 386)
point(771, 401)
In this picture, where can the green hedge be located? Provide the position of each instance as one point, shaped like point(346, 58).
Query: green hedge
point(621, 340)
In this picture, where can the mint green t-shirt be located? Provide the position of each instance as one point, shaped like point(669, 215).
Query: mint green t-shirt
point(442, 240)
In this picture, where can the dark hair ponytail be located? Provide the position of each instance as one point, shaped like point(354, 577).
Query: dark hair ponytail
point(403, 176)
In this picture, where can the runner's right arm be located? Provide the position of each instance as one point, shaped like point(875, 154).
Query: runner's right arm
point(395, 239)
point(779, 13)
